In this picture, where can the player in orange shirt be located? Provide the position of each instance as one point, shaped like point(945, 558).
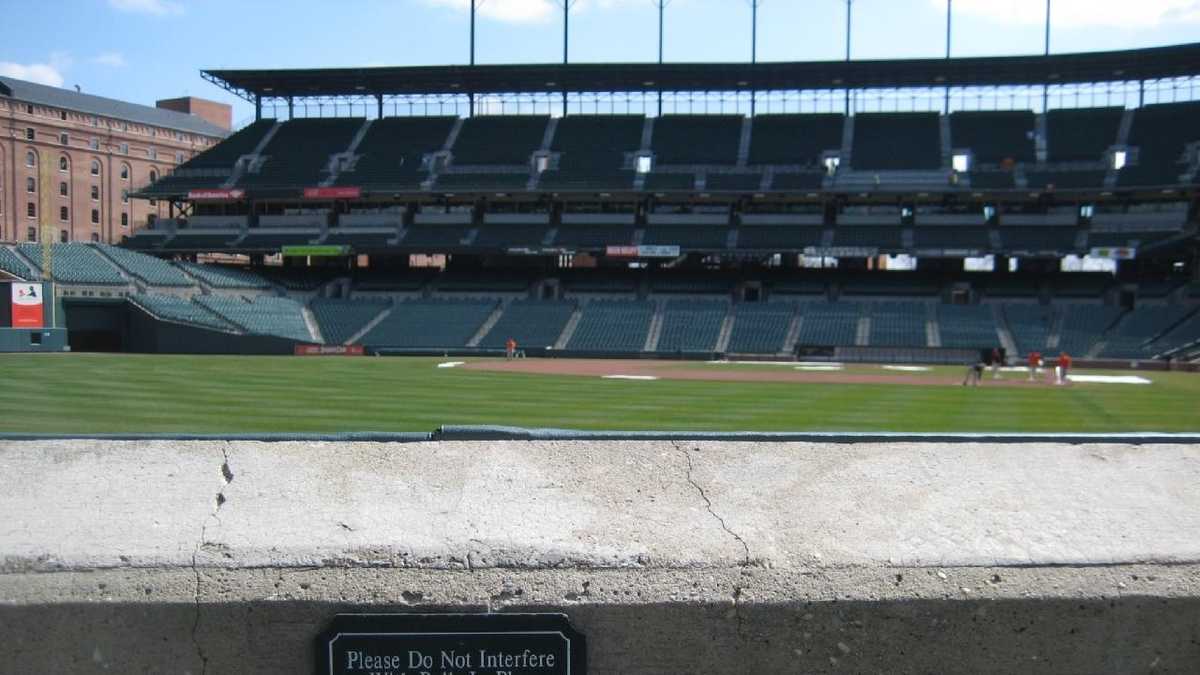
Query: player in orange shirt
point(1064, 365)
point(1035, 362)
point(510, 348)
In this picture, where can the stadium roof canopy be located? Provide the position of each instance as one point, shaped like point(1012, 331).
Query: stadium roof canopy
point(1111, 66)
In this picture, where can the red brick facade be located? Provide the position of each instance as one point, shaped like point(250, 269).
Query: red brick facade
point(110, 156)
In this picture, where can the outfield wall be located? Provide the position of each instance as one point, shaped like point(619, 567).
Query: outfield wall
point(670, 556)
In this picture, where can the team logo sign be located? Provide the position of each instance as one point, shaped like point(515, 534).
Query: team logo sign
point(26, 305)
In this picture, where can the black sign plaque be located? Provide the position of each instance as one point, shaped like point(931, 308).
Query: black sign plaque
point(451, 644)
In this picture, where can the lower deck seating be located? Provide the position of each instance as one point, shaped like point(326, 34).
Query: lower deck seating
point(829, 323)
point(967, 326)
point(760, 328)
point(532, 323)
point(440, 323)
point(691, 325)
point(9, 262)
point(149, 269)
point(613, 326)
point(898, 324)
point(264, 315)
point(174, 308)
point(221, 276)
point(341, 319)
point(1082, 326)
point(76, 264)
point(1029, 325)
point(1131, 337)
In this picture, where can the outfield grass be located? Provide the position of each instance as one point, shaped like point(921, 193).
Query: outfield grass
point(93, 393)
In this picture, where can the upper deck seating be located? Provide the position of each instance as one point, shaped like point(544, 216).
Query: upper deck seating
point(994, 136)
point(795, 139)
point(896, 141)
point(499, 139)
point(393, 150)
point(1081, 134)
point(591, 152)
point(697, 139)
point(298, 155)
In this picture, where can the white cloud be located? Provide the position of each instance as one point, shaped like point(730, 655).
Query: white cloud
point(113, 59)
point(1081, 13)
point(156, 7)
point(49, 73)
point(511, 11)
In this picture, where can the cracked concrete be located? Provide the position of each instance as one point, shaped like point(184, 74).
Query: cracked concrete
point(734, 557)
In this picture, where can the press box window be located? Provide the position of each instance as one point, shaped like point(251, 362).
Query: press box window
point(961, 163)
point(644, 163)
point(1118, 159)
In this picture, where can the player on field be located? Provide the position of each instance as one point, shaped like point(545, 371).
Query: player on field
point(1035, 362)
point(974, 373)
point(510, 349)
point(996, 359)
point(1064, 365)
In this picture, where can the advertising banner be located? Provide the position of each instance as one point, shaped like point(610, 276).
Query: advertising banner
point(1114, 253)
point(215, 195)
point(329, 350)
point(332, 193)
point(642, 251)
point(27, 305)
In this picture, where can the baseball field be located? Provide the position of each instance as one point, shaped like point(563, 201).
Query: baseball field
point(110, 393)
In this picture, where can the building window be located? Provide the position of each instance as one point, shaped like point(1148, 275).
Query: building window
point(179, 158)
point(151, 219)
point(64, 139)
point(28, 109)
point(63, 190)
point(63, 237)
point(64, 214)
point(95, 193)
point(95, 237)
point(124, 172)
point(95, 216)
point(124, 148)
point(152, 153)
point(124, 196)
point(124, 220)
point(153, 175)
point(95, 167)
point(31, 185)
point(31, 234)
point(30, 159)
point(31, 210)
point(63, 164)
point(94, 144)
point(62, 114)
point(30, 134)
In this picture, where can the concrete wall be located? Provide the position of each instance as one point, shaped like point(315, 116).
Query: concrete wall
point(707, 557)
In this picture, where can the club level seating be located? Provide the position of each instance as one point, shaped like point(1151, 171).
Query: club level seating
point(594, 236)
point(264, 315)
point(613, 326)
point(867, 236)
point(1090, 285)
point(438, 323)
point(504, 236)
point(1129, 239)
point(829, 323)
point(9, 262)
point(149, 269)
point(1029, 325)
point(435, 236)
point(799, 287)
point(760, 328)
point(300, 278)
point(340, 319)
point(693, 236)
point(591, 284)
point(1082, 325)
point(360, 240)
point(298, 154)
point(778, 237)
point(807, 181)
point(1081, 134)
point(474, 283)
point(591, 152)
point(145, 240)
point(1065, 180)
point(174, 308)
point(994, 136)
point(697, 139)
point(894, 283)
point(967, 326)
point(1160, 133)
point(974, 238)
point(200, 241)
point(393, 149)
point(898, 324)
point(691, 325)
point(532, 323)
point(501, 182)
point(992, 180)
point(273, 241)
point(670, 182)
point(1019, 237)
point(690, 284)
point(896, 141)
point(221, 276)
point(499, 139)
point(733, 182)
point(1008, 287)
point(76, 264)
point(794, 139)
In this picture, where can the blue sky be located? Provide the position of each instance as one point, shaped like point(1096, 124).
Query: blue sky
point(142, 50)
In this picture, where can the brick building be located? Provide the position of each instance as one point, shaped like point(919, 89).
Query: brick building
point(92, 152)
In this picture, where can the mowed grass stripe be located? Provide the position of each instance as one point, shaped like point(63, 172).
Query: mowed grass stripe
point(86, 393)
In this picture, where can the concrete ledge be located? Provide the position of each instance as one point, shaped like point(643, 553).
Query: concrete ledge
point(157, 556)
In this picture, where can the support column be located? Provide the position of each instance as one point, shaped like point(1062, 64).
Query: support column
point(379, 106)
point(257, 107)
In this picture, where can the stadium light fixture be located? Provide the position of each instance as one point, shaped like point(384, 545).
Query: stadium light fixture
point(961, 163)
point(644, 163)
point(1118, 159)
